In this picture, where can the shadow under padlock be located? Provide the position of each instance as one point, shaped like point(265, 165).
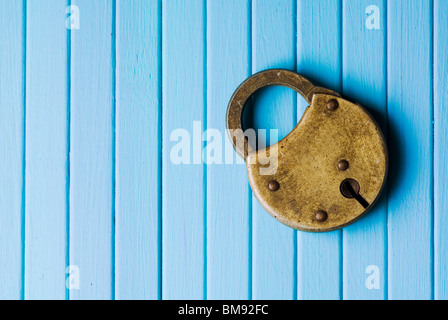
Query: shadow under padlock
point(329, 170)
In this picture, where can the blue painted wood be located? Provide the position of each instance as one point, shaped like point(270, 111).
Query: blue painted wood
point(57, 99)
point(184, 99)
point(91, 153)
point(319, 59)
point(410, 141)
point(228, 252)
point(46, 150)
point(11, 145)
point(440, 149)
point(137, 149)
point(364, 80)
point(274, 248)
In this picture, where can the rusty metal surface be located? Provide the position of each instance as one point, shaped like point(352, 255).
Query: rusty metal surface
point(330, 169)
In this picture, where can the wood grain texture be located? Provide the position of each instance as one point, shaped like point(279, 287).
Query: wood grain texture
point(12, 50)
point(274, 249)
point(228, 64)
point(364, 81)
point(138, 149)
point(91, 154)
point(319, 59)
point(183, 195)
point(46, 150)
point(410, 141)
point(440, 150)
point(193, 231)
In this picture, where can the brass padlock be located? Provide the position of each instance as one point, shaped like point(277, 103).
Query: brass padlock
point(329, 171)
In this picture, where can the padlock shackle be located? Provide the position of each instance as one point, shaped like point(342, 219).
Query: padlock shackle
point(267, 78)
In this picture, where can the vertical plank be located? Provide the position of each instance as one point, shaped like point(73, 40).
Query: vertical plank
point(273, 243)
point(138, 146)
point(364, 80)
point(440, 149)
point(91, 154)
point(228, 44)
point(319, 59)
point(46, 150)
point(183, 184)
point(410, 141)
point(12, 35)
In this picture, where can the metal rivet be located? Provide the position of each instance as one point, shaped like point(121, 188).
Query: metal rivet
point(274, 185)
point(332, 105)
point(343, 165)
point(321, 216)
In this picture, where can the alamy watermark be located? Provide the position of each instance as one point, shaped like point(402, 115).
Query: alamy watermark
point(373, 21)
point(72, 278)
point(212, 147)
point(373, 279)
point(73, 21)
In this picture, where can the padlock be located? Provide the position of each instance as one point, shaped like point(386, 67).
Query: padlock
point(328, 172)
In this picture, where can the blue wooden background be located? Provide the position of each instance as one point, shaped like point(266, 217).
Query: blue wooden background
point(86, 117)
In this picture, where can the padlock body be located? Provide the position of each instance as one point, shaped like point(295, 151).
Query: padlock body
point(306, 165)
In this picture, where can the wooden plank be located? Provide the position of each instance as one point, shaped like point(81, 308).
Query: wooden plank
point(440, 149)
point(364, 81)
point(228, 32)
point(274, 248)
point(46, 150)
point(319, 59)
point(12, 51)
point(91, 154)
point(410, 141)
point(138, 149)
point(183, 99)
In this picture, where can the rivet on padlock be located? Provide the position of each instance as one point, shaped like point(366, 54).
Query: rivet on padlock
point(332, 167)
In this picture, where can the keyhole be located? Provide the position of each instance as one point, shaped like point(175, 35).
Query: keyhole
point(351, 189)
